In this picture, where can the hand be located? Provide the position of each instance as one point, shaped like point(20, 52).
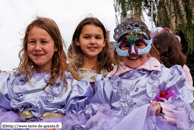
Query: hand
point(158, 107)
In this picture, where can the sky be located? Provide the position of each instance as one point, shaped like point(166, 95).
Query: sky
point(15, 15)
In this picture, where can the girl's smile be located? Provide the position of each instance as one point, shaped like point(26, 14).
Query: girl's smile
point(91, 41)
point(38, 55)
point(134, 60)
point(40, 48)
point(92, 48)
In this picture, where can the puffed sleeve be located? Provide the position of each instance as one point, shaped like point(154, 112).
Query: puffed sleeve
point(77, 100)
point(6, 114)
point(106, 92)
point(177, 109)
point(102, 92)
point(80, 96)
point(175, 81)
point(6, 91)
point(105, 108)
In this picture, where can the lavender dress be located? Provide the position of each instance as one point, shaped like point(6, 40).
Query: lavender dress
point(17, 95)
point(121, 102)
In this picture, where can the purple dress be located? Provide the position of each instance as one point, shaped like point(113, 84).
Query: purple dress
point(18, 95)
point(121, 101)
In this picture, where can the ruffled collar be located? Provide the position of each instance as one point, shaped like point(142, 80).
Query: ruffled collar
point(150, 64)
point(43, 71)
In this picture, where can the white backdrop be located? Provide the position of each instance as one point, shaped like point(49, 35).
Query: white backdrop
point(15, 15)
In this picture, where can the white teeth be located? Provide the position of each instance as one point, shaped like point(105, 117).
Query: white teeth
point(133, 58)
point(92, 47)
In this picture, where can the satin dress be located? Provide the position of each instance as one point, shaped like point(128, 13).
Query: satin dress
point(23, 101)
point(122, 100)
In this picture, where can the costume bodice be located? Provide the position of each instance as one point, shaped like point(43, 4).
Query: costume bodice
point(136, 87)
point(18, 94)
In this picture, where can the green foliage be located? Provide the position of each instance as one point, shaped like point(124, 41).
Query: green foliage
point(181, 12)
point(190, 57)
point(178, 15)
point(122, 8)
point(164, 20)
point(174, 14)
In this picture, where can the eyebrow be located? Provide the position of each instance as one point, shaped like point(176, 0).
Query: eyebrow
point(94, 34)
point(40, 38)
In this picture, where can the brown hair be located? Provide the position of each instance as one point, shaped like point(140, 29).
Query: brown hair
point(169, 48)
point(105, 60)
point(59, 65)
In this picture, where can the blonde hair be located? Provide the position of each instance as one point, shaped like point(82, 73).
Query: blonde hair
point(59, 66)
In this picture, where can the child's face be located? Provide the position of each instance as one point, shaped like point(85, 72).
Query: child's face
point(40, 48)
point(91, 41)
point(134, 60)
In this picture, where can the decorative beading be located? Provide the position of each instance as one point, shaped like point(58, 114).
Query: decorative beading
point(130, 26)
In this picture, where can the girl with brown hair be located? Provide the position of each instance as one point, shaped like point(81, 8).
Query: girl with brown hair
point(42, 86)
point(171, 54)
point(90, 50)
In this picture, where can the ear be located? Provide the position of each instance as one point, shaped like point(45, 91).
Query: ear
point(104, 43)
point(77, 42)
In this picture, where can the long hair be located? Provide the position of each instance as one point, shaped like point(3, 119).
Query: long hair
point(169, 48)
point(59, 65)
point(105, 60)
